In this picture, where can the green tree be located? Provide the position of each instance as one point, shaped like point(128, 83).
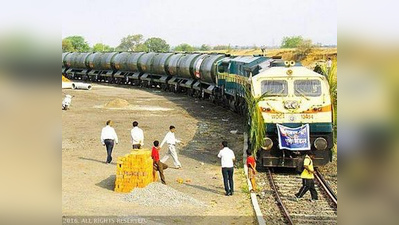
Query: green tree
point(205, 47)
point(184, 48)
point(291, 42)
point(100, 47)
point(141, 48)
point(79, 43)
point(131, 42)
point(156, 45)
point(67, 46)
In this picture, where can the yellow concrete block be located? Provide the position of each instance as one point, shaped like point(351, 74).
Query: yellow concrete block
point(133, 170)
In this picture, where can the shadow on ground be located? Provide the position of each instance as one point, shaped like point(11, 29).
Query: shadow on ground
point(204, 188)
point(96, 160)
point(108, 183)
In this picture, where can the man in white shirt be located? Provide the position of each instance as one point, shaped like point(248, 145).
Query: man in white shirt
point(227, 158)
point(66, 102)
point(171, 140)
point(137, 136)
point(108, 138)
point(329, 65)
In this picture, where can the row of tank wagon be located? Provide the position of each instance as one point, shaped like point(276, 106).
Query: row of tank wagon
point(198, 72)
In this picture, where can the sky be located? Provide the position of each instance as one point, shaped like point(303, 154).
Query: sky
point(197, 22)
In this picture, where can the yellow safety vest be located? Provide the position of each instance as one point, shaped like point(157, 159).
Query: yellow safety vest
point(306, 174)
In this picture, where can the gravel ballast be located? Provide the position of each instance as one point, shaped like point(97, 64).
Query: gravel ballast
point(267, 202)
point(157, 194)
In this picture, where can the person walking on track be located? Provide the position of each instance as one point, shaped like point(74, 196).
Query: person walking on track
point(308, 178)
point(137, 136)
point(227, 158)
point(171, 140)
point(109, 138)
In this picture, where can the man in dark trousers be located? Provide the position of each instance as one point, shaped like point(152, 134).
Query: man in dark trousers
point(109, 138)
point(308, 178)
point(227, 159)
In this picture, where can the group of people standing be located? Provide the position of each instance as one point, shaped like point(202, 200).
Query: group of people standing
point(109, 138)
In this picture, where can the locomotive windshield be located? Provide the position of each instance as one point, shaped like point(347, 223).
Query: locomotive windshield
point(274, 87)
point(307, 87)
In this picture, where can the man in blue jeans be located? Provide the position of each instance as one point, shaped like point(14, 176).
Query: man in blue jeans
point(108, 139)
point(227, 159)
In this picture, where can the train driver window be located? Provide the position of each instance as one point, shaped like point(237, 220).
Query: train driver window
point(223, 67)
point(310, 88)
point(274, 87)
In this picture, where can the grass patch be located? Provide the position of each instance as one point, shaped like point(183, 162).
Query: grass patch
point(245, 189)
point(244, 186)
point(332, 81)
point(239, 164)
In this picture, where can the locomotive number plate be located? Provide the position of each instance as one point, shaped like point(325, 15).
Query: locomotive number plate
point(277, 116)
point(307, 116)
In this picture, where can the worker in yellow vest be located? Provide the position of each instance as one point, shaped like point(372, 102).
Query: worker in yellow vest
point(308, 178)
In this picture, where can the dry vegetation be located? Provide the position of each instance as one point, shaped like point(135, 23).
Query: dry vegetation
point(314, 55)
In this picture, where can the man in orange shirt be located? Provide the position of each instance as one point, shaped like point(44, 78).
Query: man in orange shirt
point(157, 164)
point(251, 163)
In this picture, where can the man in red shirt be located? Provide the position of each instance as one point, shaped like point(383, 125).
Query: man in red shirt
point(251, 163)
point(157, 164)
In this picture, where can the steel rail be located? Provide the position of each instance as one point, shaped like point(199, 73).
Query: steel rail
point(327, 188)
point(280, 202)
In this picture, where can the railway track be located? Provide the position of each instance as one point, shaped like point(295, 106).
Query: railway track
point(303, 211)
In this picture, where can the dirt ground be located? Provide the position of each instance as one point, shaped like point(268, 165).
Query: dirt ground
point(88, 183)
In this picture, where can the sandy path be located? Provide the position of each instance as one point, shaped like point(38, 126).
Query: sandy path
point(87, 183)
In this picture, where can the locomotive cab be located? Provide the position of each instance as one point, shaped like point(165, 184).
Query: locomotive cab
point(294, 97)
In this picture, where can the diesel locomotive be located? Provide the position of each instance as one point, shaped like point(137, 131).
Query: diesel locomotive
point(295, 95)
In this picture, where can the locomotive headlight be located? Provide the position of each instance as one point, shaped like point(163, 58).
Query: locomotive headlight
point(265, 109)
point(291, 104)
point(317, 109)
point(320, 143)
point(295, 105)
point(268, 143)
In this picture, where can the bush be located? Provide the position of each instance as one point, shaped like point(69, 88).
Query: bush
point(184, 48)
point(291, 42)
point(303, 49)
point(332, 81)
point(256, 124)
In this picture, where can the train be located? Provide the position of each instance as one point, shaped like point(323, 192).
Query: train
point(293, 95)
